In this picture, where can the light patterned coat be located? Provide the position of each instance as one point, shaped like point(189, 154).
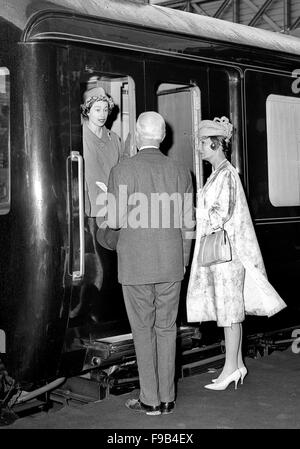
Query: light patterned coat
point(222, 202)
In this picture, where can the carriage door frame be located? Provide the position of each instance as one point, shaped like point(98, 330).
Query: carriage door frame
point(220, 93)
point(121, 74)
point(90, 67)
point(178, 77)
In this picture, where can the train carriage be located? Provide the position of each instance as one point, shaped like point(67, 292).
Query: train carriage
point(59, 298)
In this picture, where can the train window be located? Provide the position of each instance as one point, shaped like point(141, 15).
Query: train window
point(4, 142)
point(283, 137)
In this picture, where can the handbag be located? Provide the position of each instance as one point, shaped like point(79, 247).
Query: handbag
point(214, 248)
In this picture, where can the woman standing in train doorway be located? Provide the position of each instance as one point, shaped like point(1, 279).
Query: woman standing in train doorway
point(225, 292)
point(102, 149)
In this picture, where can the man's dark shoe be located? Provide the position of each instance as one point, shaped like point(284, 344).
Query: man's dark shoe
point(138, 406)
point(167, 407)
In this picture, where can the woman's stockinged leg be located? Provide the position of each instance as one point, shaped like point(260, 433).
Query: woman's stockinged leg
point(241, 366)
point(240, 355)
point(232, 347)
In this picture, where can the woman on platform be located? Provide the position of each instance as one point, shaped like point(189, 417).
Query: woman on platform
point(225, 292)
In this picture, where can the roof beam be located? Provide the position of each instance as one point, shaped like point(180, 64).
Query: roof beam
point(172, 3)
point(235, 12)
point(222, 8)
point(265, 16)
point(188, 6)
point(296, 23)
point(199, 9)
point(260, 13)
point(286, 15)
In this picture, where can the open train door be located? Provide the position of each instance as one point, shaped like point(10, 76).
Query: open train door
point(180, 105)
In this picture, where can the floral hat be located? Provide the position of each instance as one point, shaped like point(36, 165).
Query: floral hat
point(216, 127)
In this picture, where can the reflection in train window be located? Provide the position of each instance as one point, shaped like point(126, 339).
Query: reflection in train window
point(4, 142)
point(180, 105)
point(283, 134)
point(108, 131)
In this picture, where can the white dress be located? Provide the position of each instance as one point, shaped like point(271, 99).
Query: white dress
point(226, 291)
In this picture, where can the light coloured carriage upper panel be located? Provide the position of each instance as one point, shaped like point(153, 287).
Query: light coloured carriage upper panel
point(153, 17)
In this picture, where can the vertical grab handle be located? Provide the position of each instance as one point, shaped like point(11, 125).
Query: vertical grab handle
point(196, 110)
point(76, 157)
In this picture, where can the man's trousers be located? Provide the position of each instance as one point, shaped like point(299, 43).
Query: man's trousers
point(152, 311)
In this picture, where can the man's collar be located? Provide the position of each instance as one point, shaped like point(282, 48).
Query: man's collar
point(148, 146)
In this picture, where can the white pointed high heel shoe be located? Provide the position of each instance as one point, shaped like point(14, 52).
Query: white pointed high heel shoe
point(243, 371)
point(234, 377)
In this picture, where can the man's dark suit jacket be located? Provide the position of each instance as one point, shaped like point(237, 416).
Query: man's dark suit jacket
point(156, 252)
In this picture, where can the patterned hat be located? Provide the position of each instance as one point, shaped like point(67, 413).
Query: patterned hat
point(216, 127)
point(97, 94)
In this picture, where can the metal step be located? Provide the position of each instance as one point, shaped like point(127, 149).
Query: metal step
point(117, 372)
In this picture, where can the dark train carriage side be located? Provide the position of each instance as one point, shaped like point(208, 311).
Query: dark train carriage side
point(59, 292)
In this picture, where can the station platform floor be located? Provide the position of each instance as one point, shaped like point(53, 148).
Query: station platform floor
point(268, 399)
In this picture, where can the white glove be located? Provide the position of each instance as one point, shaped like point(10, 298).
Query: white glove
point(102, 186)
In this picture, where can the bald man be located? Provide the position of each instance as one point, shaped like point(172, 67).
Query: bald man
point(150, 200)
